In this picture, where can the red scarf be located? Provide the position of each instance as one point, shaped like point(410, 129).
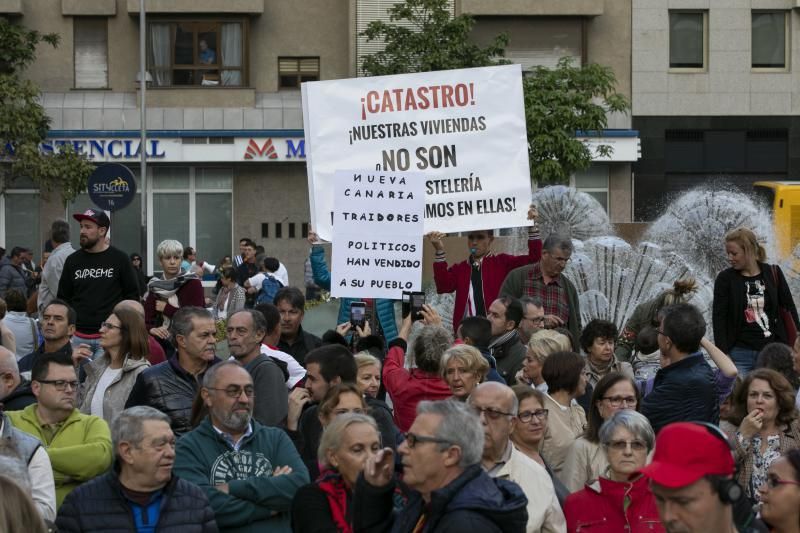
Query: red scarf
point(336, 491)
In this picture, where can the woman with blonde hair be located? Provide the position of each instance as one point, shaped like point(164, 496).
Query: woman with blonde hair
point(750, 301)
point(368, 376)
point(326, 504)
point(463, 367)
point(175, 288)
point(18, 514)
point(542, 344)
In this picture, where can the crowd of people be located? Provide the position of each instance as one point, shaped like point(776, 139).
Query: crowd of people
point(119, 411)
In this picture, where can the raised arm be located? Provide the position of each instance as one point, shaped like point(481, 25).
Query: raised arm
point(720, 358)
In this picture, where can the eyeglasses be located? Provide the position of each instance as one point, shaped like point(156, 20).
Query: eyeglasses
point(622, 445)
point(490, 412)
point(773, 481)
point(234, 391)
point(412, 440)
point(617, 401)
point(109, 325)
point(527, 416)
point(60, 384)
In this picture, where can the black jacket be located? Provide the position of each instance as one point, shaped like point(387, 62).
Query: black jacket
point(311, 512)
point(100, 505)
point(303, 343)
point(471, 502)
point(729, 305)
point(509, 356)
point(19, 398)
point(170, 389)
point(685, 391)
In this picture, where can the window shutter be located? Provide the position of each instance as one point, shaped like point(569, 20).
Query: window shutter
point(371, 10)
point(91, 53)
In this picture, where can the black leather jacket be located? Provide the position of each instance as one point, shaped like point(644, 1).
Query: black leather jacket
point(101, 505)
point(170, 389)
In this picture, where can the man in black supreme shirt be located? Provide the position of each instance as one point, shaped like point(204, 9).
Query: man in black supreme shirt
point(95, 279)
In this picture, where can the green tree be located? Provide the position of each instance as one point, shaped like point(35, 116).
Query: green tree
point(24, 123)
point(558, 102)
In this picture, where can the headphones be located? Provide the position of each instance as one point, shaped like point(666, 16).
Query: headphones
point(729, 491)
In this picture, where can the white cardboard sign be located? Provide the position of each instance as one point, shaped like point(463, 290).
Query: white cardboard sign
point(377, 234)
point(464, 130)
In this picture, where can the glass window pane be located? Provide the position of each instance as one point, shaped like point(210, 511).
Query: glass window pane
point(170, 220)
point(214, 216)
point(22, 221)
point(686, 40)
point(769, 40)
point(601, 197)
point(171, 178)
point(184, 45)
point(213, 178)
point(594, 177)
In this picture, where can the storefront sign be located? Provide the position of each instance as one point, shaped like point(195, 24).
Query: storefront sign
point(377, 240)
point(112, 186)
point(177, 150)
point(463, 129)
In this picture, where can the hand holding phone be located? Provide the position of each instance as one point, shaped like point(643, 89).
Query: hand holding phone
point(358, 314)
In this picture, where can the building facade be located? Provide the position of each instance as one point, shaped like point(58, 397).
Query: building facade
point(225, 147)
point(715, 95)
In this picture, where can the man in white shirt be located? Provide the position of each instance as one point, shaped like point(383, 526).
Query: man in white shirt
point(498, 406)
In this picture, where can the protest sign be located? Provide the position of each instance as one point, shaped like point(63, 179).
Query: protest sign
point(464, 130)
point(377, 234)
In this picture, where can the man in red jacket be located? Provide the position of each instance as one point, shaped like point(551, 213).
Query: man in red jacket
point(477, 280)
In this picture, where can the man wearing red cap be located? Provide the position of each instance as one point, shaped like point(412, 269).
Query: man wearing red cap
point(692, 480)
point(95, 279)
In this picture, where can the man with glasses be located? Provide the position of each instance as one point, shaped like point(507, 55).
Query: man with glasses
point(441, 459)
point(249, 472)
point(532, 317)
point(246, 330)
point(544, 280)
point(79, 445)
point(686, 388)
point(498, 407)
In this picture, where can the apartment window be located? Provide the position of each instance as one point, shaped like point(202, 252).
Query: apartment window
point(292, 71)
point(594, 182)
point(193, 205)
point(278, 230)
point(770, 46)
point(688, 39)
point(197, 53)
point(90, 36)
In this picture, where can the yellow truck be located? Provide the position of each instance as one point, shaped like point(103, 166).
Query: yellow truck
point(783, 199)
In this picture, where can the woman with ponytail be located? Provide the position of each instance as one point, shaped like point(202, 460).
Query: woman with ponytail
point(646, 314)
point(752, 302)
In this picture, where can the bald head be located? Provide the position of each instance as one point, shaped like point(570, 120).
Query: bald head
point(9, 372)
point(131, 305)
point(498, 395)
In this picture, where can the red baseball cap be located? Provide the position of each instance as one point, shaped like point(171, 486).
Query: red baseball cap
point(98, 217)
point(687, 451)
